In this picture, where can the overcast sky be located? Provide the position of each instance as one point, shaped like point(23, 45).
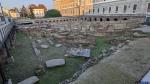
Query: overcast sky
point(19, 3)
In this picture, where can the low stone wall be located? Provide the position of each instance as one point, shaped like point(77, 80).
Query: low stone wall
point(87, 18)
point(93, 28)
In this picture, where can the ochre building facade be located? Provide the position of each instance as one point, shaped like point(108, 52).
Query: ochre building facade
point(73, 7)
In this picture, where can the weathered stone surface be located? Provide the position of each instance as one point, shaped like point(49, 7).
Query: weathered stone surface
point(136, 34)
point(143, 28)
point(9, 81)
point(51, 42)
point(44, 46)
point(58, 45)
point(93, 61)
point(30, 80)
point(55, 62)
point(39, 41)
point(37, 52)
point(124, 65)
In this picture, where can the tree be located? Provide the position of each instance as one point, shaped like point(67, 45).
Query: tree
point(24, 12)
point(52, 13)
point(31, 15)
point(5, 14)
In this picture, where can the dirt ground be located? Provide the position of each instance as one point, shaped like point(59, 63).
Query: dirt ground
point(125, 66)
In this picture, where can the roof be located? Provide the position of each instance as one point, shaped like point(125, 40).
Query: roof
point(40, 6)
point(13, 10)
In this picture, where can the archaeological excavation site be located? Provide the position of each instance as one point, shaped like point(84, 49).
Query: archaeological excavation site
point(107, 42)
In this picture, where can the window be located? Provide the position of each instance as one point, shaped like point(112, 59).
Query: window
point(125, 9)
point(134, 8)
point(93, 11)
point(95, 19)
point(83, 12)
point(98, 10)
point(103, 10)
point(125, 19)
point(107, 19)
point(148, 9)
point(109, 9)
point(90, 20)
point(116, 9)
point(115, 19)
point(101, 19)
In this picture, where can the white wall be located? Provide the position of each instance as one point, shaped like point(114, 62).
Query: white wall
point(142, 6)
point(39, 12)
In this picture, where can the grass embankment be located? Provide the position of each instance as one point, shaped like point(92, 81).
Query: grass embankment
point(101, 43)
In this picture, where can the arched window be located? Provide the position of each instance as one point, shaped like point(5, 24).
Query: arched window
point(107, 19)
point(95, 19)
point(125, 19)
point(101, 19)
point(90, 19)
point(115, 19)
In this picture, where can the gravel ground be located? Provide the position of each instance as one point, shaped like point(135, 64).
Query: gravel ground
point(125, 66)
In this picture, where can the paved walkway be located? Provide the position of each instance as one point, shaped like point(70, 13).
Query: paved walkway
point(144, 28)
point(125, 66)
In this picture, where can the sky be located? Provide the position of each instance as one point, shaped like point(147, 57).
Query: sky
point(19, 3)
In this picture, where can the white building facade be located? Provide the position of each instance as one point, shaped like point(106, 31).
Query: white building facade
point(115, 7)
point(39, 12)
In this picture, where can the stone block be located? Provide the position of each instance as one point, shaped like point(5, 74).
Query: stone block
point(55, 62)
point(58, 45)
point(44, 46)
point(9, 81)
point(30, 80)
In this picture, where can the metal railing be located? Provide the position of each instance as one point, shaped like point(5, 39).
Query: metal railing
point(4, 31)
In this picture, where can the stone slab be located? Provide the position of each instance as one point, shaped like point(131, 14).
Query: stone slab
point(58, 45)
point(30, 80)
point(9, 81)
point(80, 52)
point(55, 62)
point(39, 41)
point(44, 46)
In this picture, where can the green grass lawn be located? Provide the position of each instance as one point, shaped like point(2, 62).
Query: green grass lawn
point(101, 43)
point(26, 61)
